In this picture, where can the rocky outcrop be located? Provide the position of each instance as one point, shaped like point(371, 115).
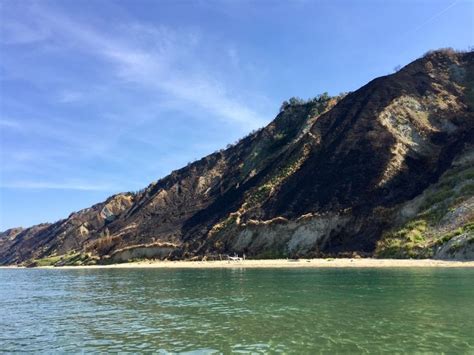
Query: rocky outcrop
point(64, 236)
point(329, 176)
point(460, 247)
point(282, 238)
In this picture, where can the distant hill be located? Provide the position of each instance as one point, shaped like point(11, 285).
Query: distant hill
point(385, 171)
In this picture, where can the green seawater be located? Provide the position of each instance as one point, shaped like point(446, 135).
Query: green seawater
point(237, 310)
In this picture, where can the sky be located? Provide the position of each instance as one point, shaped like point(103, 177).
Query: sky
point(99, 97)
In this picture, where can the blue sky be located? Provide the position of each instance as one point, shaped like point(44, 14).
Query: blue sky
point(99, 97)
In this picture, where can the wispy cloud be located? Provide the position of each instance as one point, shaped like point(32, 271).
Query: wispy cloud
point(159, 59)
point(67, 185)
point(123, 95)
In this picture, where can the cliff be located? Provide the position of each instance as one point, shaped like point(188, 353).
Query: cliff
point(384, 171)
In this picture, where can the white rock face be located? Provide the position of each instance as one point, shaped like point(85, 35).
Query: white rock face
point(299, 236)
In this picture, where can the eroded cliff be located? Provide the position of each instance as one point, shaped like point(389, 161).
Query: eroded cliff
point(329, 176)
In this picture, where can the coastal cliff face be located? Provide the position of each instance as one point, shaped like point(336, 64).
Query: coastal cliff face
point(384, 171)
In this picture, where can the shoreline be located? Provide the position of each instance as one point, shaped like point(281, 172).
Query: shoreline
point(273, 263)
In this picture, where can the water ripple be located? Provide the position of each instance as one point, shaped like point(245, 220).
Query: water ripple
point(238, 311)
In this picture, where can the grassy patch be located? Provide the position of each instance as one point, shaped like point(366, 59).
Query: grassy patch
point(419, 238)
point(70, 259)
point(448, 236)
point(415, 241)
point(259, 195)
point(76, 259)
point(408, 242)
point(48, 261)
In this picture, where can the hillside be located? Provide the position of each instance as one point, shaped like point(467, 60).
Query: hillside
point(386, 171)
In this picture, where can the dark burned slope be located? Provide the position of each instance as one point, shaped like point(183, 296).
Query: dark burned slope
point(325, 177)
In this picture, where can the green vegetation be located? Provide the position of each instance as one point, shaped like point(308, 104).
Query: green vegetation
point(420, 237)
point(448, 236)
point(48, 261)
point(297, 101)
point(76, 259)
point(415, 241)
point(292, 120)
point(408, 242)
point(70, 259)
point(259, 195)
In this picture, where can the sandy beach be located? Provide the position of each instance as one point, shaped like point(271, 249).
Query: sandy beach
point(279, 263)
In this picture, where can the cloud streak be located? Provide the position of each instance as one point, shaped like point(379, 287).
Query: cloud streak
point(86, 93)
point(158, 58)
point(436, 15)
point(49, 185)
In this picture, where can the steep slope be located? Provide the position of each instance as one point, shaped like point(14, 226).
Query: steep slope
point(438, 223)
point(380, 146)
point(331, 176)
